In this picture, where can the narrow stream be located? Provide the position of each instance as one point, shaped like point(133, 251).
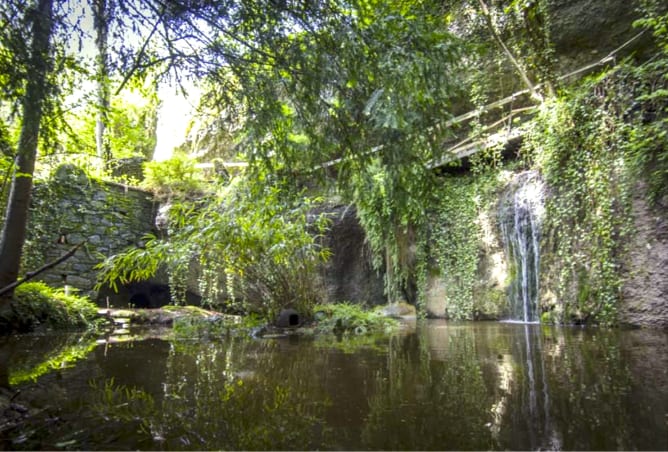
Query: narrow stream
point(434, 386)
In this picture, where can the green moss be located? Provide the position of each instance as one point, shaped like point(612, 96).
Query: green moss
point(36, 305)
point(548, 318)
point(189, 310)
point(489, 303)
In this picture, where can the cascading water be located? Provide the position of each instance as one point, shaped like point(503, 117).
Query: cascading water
point(520, 216)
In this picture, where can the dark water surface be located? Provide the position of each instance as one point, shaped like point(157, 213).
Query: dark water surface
point(437, 386)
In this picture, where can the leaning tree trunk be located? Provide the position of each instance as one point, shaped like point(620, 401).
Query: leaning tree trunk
point(14, 230)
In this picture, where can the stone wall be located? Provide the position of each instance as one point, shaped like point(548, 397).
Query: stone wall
point(70, 208)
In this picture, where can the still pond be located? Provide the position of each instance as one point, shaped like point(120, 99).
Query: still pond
point(434, 385)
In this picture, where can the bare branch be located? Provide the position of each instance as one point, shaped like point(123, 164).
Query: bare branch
point(523, 75)
point(30, 275)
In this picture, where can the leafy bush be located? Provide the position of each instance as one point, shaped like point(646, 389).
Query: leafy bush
point(174, 178)
point(351, 318)
point(35, 304)
point(257, 248)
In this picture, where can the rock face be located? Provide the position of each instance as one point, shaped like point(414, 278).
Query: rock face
point(72, 208)
point(435, 296)
point(348, 275)
point(645, 291)
point(584, 31)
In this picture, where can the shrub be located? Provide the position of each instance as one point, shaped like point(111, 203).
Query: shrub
point(37, 305)
point(351, 318)
point(174, 178)
point(256, 244)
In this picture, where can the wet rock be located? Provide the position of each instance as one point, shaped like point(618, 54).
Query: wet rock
point(399, 310)
point(258, 331)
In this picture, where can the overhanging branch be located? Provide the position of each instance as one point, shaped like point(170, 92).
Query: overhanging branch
point(42, 269)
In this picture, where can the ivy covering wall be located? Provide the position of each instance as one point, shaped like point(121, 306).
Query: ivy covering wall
point(598, 147)
point(593, 145)
point(456, 245)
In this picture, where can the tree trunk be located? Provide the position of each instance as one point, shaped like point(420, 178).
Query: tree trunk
point(101, 22)
point(14, 230)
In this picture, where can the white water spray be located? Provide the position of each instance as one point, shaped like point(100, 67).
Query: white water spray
point(520, 218)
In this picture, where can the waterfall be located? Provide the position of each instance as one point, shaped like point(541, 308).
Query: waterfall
point(520, 217)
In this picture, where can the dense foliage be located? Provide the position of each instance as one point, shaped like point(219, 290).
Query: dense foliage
point(356, 98)
point(346, 318)
point(599, 146)
point(176, 177)
point(256, 251)
point(130, 130)
point(459, 231)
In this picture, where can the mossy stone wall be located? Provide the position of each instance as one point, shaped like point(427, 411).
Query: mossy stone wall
point(70, 208)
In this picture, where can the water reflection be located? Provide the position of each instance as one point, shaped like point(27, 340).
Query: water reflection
point(440, 386)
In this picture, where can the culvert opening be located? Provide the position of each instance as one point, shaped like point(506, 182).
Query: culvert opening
point(140, 300)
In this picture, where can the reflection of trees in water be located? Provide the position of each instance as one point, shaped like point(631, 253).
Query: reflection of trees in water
point(213, 398)
point(563, 389)
point(419, 403)
point(26, 358)
point(505, 386)
point(522, 411)
point(234, 395)
point(488, 386)
point(590, 382)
